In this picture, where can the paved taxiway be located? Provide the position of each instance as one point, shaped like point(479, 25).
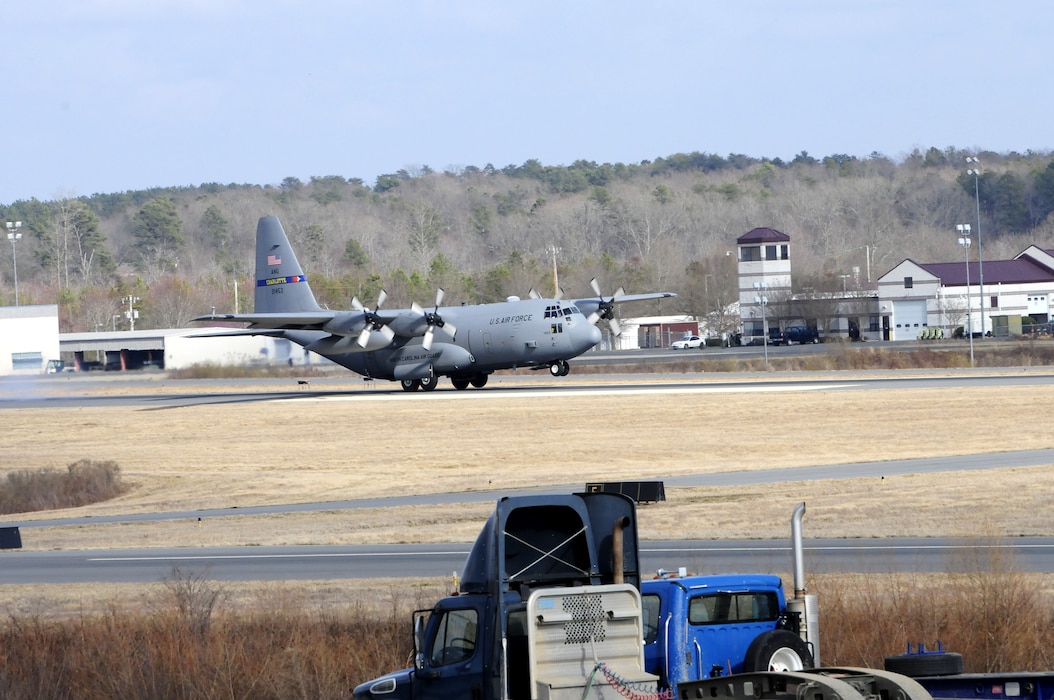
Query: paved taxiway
point(280, 563)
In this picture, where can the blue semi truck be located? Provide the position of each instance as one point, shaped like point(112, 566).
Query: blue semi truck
point(551, 605)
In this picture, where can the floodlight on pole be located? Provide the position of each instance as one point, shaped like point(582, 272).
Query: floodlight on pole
point(975, 170)
point(964, 241)
point(14, 234)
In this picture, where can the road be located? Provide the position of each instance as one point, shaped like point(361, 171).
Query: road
point(436, 561)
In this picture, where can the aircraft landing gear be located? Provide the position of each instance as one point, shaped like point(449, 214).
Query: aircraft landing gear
point(428, 384)
point(560, 368)
point(478, 380)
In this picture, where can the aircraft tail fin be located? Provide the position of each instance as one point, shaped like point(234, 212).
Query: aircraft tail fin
point(281, 285)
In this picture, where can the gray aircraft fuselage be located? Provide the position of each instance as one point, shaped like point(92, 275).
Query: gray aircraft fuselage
point(416, 346)
point(505, 335)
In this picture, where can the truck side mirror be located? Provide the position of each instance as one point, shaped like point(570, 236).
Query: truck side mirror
point(419, 637)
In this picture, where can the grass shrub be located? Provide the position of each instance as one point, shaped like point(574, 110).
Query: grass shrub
point(84, 481)
point(186, 648)
point(278, 647)
point(990, 613)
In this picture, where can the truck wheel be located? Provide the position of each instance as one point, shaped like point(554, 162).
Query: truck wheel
point(778, 650)
point(945, 663)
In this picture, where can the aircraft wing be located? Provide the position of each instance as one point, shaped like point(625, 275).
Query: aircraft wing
point(594, 304)
point(297, 320)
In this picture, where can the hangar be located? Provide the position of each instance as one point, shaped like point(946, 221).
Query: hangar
point(178, 348)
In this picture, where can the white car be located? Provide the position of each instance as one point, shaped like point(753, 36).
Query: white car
point(689, 341)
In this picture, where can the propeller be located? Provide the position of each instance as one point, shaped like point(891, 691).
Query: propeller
point(606, 309)
point(373, 321)
point(434, 321)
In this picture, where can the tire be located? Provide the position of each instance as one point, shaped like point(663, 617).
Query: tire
point(430, 383)
point(915, 665)
point(480, 380)
point(410, 384)
point(460, 384)
point(778, 650)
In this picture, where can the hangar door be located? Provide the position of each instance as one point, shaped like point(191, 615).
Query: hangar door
point(909, 317)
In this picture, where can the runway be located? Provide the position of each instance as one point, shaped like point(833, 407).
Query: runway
point(316, 562)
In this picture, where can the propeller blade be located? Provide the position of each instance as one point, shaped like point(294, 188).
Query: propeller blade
point(533, 294)
point(387, 332)
point(450, 328)
point(381, 297)
point(596, 287)
point(616, 330)
point(364, 337)
point(426, 343)
point(439, 297)
point(417, 309)
point(356, 304)
point(593, 317)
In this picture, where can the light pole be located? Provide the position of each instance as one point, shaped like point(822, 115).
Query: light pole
point(976, 172)
point(964, 241)
point(14, 234)
point(844, 278)
point(762, 300)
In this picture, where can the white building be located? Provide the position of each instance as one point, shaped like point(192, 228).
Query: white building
point(764, 276)
point(29, 338)
point(916, 296)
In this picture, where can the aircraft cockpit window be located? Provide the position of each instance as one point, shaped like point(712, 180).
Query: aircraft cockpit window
point(568, 312)
point(574, 309)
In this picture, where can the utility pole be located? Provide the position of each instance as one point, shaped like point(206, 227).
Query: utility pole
point(14, 234)
point(132, 313)
point(553, 250)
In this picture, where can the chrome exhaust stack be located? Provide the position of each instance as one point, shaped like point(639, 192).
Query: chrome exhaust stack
point(804, 604)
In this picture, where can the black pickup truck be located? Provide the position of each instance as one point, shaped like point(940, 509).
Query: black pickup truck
point(792, 335)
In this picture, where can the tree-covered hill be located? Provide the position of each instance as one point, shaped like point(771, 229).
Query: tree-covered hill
point(486, 233)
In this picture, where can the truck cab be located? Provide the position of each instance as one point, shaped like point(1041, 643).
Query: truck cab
point(550, 582)
point(698, 627)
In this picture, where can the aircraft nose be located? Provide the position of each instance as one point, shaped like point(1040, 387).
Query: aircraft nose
point(594, 335)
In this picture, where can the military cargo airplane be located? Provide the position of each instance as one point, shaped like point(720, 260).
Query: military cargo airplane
point(417, 346)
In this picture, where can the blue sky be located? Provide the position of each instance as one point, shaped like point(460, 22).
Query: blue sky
point(111, 95)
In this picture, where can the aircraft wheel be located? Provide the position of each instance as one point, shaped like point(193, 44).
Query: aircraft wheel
point(564, 368)
point(411, 384)
point(460, 384)
point(556, 369)
point(430, 383)
point(480, 380)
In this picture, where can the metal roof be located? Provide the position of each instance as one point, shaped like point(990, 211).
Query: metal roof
point(1021, 271)
point(763, 235)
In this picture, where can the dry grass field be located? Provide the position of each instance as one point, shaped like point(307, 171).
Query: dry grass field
point(321, 447)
